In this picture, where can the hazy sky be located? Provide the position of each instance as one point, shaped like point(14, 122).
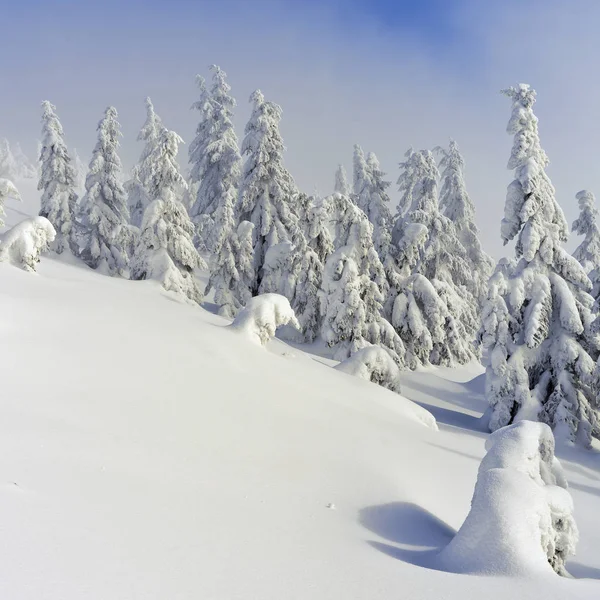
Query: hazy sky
point(387, 74)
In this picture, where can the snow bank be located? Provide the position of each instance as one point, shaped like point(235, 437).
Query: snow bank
point(23, 244)
point(263, 315)
point(374, 364)
point(521, 518)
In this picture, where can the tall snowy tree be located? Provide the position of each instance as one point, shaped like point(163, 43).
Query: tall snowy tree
point(102, 222)
point(456, 204)
point(542, 347)
point(137, 186)
point(165, 251)
point(588, 252)
point(428, 304)
point(57, 179)
point(267, 191)
point(214, 157)
point(377, 209)
point(354, 287)
point(341, 181)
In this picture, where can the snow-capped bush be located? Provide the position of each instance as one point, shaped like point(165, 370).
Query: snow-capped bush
point(521, 517)
point(263, 315)
point(375, 364)
point(23, 244)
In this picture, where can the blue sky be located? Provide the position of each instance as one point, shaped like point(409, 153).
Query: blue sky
point(386, 74)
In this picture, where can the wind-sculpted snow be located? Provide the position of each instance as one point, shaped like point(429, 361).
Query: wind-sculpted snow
point(521, 519)
point(261, 317)
point(23, 244)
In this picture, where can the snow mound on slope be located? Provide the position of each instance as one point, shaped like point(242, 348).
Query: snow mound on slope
point(23, 244)
point(374, 364)
point(521, 519)
point(263, 315)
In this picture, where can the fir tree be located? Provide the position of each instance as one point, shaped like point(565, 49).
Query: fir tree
point(542, 346)
point(57, 179)
point(102, 223)
point(588, 252)
point(214, 157)
point(7, 190)
point(136, 187)
point(428, 303)
point(267, 191)
point(165, 251)
point(341, 181)
point(456, 204)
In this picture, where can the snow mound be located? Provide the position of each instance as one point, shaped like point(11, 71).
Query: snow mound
point(23, 244)
point(521, 519)
point(374, 364)
point(263, 315)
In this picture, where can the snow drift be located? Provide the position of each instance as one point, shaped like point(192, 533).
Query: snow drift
point(521, 519)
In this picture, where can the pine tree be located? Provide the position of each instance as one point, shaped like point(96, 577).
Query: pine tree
point(429, 304)
point(214, 157)
point(542, 346)
point(267, 191)
point(102, 222)
point(341, 181)
point(137, 186)
point(378, 210)
point(165, 251)
point(456, 204)
point(57, 179)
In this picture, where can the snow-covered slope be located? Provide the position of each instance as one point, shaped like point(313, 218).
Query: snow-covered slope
point(148, 451)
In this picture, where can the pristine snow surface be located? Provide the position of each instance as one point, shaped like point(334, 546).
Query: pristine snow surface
point(150, 452)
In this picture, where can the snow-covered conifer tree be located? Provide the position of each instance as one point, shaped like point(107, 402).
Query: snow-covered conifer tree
point(341, 181)
point(165, 250)
point(542, 351)
point(136, 187)
point(377, 209)
point(267, 191)
point(429, 304)
point(214, 157)
point(57, 179)
point(456, 204)
point(7, 190)
point(102, 222)
point(588, 252)
point(354, 287)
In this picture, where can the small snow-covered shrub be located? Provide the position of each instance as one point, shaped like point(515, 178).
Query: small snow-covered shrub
point(375, 364)
point(521, 517)
point(23, 244)
point(263, 315)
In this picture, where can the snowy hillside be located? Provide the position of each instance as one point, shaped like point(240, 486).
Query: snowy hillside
point(150, 452)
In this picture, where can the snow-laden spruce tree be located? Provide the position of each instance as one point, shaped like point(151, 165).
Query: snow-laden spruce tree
point(7, 190)
point(588, 252)
point(57, 179)
point(542, 350)
point(137, 186)
point(341, 181)
point(267, 191)
point(456, 204)
point(8, 163)
point(165, 251)
point(231, 270)
point(429, 303)
point(102, 221)
point(214, 157)
point(354, 287)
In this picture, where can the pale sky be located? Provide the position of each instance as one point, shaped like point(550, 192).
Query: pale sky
point(387, 74)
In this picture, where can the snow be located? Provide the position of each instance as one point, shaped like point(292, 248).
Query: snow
point(23, 244)
point(147, 452)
